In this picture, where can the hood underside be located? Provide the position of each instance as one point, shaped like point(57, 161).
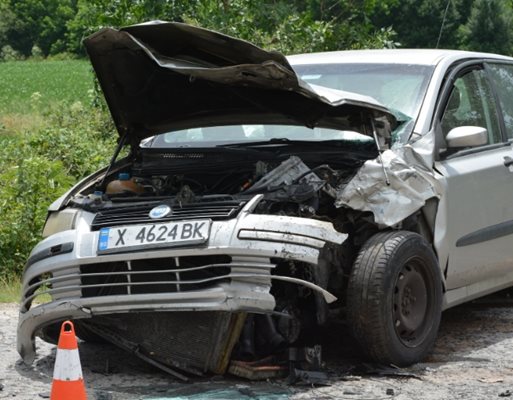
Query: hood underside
point(162, 76)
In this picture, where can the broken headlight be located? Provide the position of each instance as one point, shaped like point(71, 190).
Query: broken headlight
point(60, 221)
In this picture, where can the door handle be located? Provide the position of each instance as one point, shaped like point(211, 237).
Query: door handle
point(508, 161)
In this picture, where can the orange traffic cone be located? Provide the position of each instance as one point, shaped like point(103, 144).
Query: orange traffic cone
point(68, 383)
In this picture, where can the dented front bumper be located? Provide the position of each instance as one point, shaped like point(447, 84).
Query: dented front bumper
point(232, 272)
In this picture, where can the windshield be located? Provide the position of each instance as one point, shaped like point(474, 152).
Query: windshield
point(219, 135)
point(399, 87)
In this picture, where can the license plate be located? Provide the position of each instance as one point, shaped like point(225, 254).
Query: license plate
point(153, 235)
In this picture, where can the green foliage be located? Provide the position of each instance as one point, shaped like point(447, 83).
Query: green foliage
point(275, 26)
point(290, 26)
point(29, 185)
point(353, 27)
point(489, 27)
point(82, 139)
point(36, 53)
point(7, 53)
point(92, 15)
point(418, 22)
point(10, 288)
point(294, 27)
point(38, 22)
point(37, 167)
point(7, 21)
point(479, 25)
point(57, 26)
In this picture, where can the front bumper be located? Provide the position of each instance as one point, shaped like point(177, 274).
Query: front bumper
point(245, 248)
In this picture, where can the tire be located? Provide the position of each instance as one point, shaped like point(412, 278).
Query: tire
point(394, 298)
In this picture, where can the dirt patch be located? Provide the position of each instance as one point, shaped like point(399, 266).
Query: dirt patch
point(473, 359)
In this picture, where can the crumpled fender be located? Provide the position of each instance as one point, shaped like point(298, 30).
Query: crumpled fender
point(411, 182)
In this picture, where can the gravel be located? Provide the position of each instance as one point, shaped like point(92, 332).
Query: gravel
point(473, 359)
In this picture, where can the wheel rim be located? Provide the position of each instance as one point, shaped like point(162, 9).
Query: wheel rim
point(413, 294)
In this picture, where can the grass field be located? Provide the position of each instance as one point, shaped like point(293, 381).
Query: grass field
point(55, 81)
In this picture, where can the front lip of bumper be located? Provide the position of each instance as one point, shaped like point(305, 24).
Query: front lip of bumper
point(218, 298)
point(251, 240)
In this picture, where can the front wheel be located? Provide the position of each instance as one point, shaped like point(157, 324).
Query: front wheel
point(394, 298)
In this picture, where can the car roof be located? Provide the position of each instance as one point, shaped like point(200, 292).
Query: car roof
point(390, 56)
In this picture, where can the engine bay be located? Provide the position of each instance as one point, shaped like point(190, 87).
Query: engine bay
point(294, 179)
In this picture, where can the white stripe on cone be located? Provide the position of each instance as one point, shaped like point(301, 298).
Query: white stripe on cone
point(67, 365)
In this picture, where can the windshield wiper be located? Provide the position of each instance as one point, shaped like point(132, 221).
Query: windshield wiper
point(258, 143)
point(283, 141)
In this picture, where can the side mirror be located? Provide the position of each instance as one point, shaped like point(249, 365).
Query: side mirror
point(467, 136)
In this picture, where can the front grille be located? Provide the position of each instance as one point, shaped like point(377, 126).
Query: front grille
point(159, 275)
point(139, 214)
point(142, 276)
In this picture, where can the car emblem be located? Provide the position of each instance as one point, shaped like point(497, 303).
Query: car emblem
point(160, 211)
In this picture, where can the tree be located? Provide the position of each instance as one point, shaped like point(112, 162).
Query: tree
point(489, 27)
point(295, 26)
point(92, 15)
point(418, 22)
point(289, 26)
point(6, 22)
point(38, 22)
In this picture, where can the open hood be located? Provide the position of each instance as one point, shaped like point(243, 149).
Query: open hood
point(162, 76)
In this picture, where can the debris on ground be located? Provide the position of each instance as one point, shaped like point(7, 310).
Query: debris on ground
point(392, 371)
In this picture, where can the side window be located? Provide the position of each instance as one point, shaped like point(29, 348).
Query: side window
point(502, 78)
point(471, 103)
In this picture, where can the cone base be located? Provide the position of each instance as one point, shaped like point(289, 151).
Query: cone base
point(68, 390)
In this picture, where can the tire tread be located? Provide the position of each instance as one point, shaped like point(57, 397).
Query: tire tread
point(365, 295)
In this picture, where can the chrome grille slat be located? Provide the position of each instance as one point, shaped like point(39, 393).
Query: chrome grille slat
point(140, 214)
point(64, 289)
point(128, 272)
point(144, 276)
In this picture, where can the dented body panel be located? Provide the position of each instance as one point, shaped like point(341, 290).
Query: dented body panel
point(250, 241)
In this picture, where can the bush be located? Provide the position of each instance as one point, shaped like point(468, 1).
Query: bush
point(82, 138)
point(37, 167)
point(36, 53)
point(9, 54)
point(28, 188)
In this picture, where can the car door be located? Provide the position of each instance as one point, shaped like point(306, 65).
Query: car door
point(477, 206)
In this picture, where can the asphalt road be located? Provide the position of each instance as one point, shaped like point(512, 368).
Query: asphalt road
point(473, 359)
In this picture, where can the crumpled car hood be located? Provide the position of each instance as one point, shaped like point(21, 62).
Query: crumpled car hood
point(162, 76)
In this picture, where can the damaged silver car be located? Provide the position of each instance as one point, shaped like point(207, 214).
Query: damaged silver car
point(262, 195)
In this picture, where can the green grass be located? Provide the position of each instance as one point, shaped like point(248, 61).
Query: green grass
point(9, 289)
point(55, 81)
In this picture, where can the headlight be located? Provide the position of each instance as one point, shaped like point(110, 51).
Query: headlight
point(60, 221)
